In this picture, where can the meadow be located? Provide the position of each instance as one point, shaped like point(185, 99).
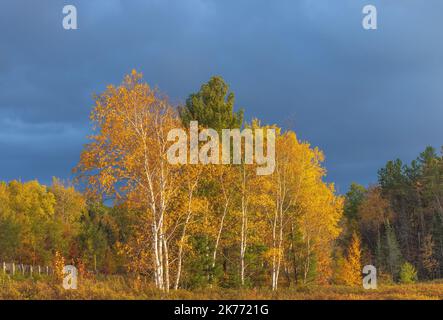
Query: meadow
point(123, 288)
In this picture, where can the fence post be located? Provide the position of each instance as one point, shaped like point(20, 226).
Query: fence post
point(23, 269)
point(4, 267)
point(39, 270)
point(13, 268)
point(30, 270)
point(47, 270)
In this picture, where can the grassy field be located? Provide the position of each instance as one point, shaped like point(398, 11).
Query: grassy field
point(121, 288)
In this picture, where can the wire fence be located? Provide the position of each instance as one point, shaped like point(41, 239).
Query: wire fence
point(12, 268)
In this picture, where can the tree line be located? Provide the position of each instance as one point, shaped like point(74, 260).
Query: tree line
point(400, 219)
point(205, 225)
point(183, 226)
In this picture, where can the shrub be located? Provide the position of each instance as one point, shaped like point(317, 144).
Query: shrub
point(408, 274)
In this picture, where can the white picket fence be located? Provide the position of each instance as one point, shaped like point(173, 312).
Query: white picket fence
point(25, 269)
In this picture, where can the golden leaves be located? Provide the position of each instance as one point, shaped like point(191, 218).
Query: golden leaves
point(127, 156)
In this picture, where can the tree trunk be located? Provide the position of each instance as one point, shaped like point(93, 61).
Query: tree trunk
point(244, 226)
point(294, 255)
point(180, 248)
point(220, 229)
point(157, 262)
point(166, 259)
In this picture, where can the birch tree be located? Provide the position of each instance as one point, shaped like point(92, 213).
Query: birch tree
point(127, 155)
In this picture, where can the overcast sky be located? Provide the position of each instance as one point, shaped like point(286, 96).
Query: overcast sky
point(364, 97)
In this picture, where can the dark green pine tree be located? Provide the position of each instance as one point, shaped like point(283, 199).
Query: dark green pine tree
point(393, 254)
point(212, 107)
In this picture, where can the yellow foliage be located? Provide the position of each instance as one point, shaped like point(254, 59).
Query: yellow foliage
point(58, 265)
point(352, 269)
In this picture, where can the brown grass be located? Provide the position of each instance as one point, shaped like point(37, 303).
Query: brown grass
point(123, 288)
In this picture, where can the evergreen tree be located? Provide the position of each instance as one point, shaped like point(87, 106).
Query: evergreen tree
point(212, 107)
point(393, 258)
point(408, 274)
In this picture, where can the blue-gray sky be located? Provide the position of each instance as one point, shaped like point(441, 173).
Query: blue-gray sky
point(363, 97)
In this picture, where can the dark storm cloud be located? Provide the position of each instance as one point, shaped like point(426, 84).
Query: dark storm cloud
point(362, 96)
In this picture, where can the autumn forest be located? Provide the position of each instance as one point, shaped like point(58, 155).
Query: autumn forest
point(130, 215)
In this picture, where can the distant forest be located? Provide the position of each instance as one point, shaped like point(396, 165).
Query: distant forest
point(400, 220)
